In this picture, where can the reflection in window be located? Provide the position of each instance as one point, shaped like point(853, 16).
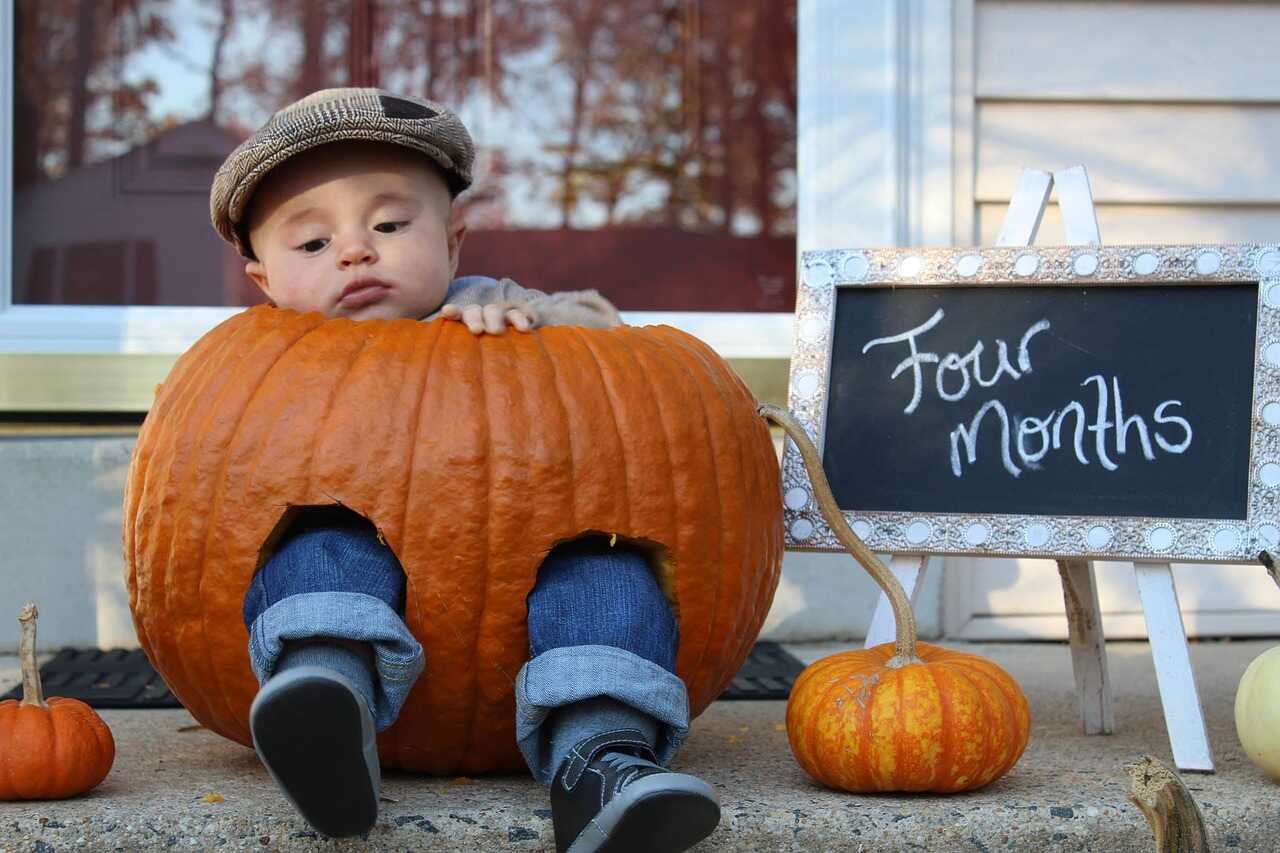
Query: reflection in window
point(642, 147)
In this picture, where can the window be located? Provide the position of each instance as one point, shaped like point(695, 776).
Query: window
point(644, 148)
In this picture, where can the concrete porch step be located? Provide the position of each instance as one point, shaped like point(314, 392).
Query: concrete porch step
point(1067, 793)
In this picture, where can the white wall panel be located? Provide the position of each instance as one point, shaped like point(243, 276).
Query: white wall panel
point(1138, 51)
point(1125, 223)
point(1150, 153)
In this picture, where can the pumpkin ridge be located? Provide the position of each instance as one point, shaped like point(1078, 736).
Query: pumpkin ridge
point(993, 735)
point(618, 358)
point(613, 418)
point(73, 768)
point(229, 359)
point(321, 430)
point(31, 778)
point(567, 437)
point(759, 539)
point(1004, 746)
point(696, 675)
point(432, 337)
point(732, 532)
point(862, 770)
point(1013, 704)
point(761, 483)
point(972, 770)
point(632, 349)
point(813, 748)
point(8, 732)
point(216, 687)
point(946, 738)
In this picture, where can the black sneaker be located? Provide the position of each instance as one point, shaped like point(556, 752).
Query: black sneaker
point(316, 738)
point(611, 795)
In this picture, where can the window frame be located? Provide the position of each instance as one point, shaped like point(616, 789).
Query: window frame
point(69, 349)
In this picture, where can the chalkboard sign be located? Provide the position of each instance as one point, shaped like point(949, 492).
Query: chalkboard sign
point(1114, 402)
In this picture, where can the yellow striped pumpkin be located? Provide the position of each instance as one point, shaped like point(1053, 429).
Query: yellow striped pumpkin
point(474, 457)
point(949, 722)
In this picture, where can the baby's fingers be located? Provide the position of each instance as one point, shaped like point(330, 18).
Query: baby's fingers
point(495, 322)
point(518, 320)
point(474, 319)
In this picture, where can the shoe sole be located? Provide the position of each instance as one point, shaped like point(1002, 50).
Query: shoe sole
point(315, 739)
point(672, 814)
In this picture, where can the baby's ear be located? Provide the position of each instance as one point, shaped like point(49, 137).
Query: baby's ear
point(456, 231)
point(256, 271)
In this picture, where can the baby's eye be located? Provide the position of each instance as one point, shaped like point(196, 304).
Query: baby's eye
point(314, 245)
point(389, 227)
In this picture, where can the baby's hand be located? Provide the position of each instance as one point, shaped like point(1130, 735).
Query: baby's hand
point(492, 318)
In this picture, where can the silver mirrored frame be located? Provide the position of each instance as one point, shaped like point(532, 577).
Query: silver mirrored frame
point(989, 534)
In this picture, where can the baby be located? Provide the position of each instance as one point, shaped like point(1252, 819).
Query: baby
point(343, 204)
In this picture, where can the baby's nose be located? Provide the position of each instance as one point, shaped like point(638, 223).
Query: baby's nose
point(357, 252)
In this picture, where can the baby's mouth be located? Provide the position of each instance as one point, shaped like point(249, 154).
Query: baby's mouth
point(362, 292)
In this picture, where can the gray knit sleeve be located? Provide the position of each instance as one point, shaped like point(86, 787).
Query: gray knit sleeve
point(567, 308)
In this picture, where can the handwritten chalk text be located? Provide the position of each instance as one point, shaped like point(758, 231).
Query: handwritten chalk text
point(1031, 439)
point(965, 367)
point(1024, 441)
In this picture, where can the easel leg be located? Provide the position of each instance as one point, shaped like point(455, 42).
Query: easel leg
point(1183, 715)
point(909, 570)
point(1088, 647)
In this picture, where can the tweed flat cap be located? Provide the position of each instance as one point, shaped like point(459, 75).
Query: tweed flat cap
point(332, 115)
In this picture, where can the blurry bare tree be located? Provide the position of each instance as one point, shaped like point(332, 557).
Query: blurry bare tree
point(645, 118)
point(75, 105)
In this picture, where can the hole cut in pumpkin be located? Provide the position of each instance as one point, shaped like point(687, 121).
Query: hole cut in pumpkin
point(657, 555)
point(337, 514)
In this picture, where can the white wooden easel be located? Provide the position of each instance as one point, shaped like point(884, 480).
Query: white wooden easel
point(1183, 715)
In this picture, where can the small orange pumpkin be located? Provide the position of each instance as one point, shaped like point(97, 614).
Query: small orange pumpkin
point(473, 457)
point(49, 750)
point(902, 716)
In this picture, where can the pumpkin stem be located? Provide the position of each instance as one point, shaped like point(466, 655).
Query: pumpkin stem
point(904, 618)
point(32, 693)
point(1168, 806)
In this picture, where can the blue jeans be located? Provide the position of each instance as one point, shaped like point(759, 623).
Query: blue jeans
point(598, 625)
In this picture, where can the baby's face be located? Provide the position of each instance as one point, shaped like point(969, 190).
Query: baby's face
point(359, 230)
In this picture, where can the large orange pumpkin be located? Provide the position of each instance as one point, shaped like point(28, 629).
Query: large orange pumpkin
point(474, 457)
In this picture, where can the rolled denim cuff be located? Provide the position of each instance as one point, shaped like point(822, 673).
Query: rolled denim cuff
point(569, 674)
point(349, 616)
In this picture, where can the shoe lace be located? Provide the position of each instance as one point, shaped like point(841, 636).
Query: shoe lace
point(627, 766)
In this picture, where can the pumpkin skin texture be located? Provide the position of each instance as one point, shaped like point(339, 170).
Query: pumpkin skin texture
point(953, 722)
point(1257, 712)
point(51, 753)
point(473, 456)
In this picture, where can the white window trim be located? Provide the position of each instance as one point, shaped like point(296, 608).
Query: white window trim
point(841, 120)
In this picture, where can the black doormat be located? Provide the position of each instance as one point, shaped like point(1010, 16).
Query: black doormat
point(119, 678)
point(123, 678)
point(768, 673)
